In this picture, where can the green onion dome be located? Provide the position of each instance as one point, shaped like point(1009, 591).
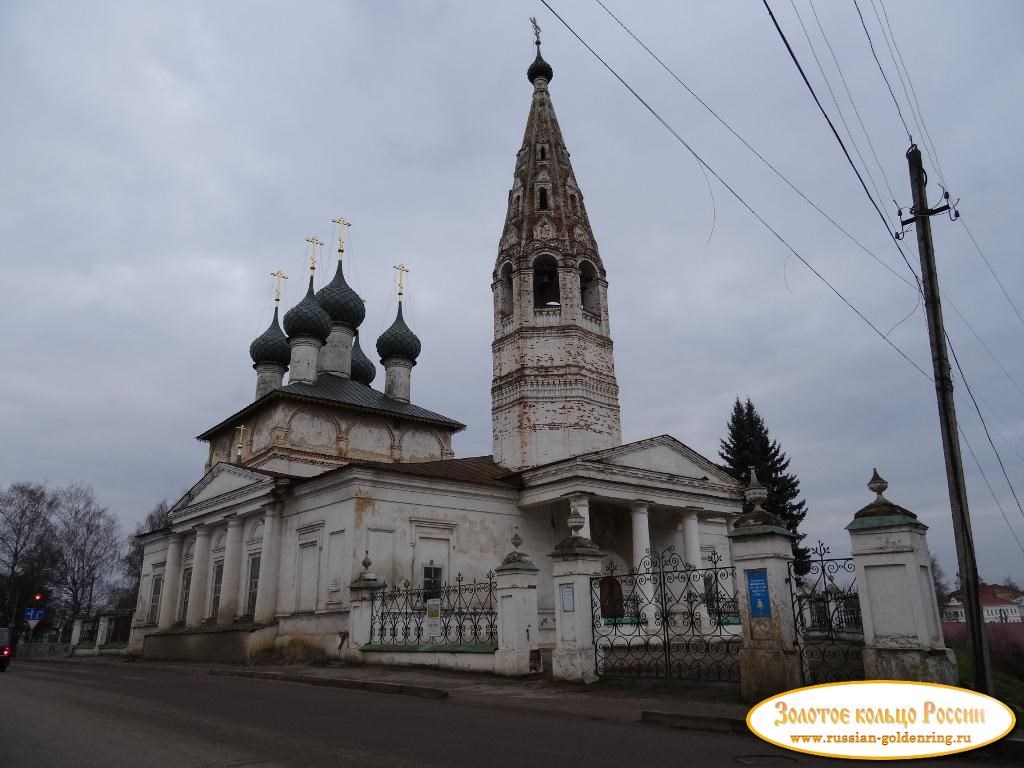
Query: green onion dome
point(307, 318)
point(398, 341)
point(271, 346)
point(540, 68)
point(341, 302)
point(363, 369)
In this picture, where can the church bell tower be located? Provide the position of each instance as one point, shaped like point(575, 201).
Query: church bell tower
point(553, 392)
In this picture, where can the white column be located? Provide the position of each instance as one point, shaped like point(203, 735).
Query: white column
point(691, 538)
point(200, 574)
point(641, 533)
point(581, 505)
point(172, 581)
point(270, 557)
point(229, 581)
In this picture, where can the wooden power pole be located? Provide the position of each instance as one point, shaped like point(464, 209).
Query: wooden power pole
point(947, 421)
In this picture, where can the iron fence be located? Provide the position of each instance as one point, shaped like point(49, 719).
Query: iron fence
point(826, 611)
point(119, 627)
point(468, 615)
point(43, 650)
point(667, 618)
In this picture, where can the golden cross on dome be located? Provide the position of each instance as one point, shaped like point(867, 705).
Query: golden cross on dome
point(340, 221)
point(536, 29)
point(313, 243)
point(402, 269)
point(278, 277)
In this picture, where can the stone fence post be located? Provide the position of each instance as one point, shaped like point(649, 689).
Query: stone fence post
point(575, 561)
point(516, 594)
point(900, 613)
point(76, 631)
point(362, 591)
point(761, 548)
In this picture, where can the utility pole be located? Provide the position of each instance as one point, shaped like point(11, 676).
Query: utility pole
point(947, 421)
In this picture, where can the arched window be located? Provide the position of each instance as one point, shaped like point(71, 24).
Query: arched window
point(542, 151)
point(573, 205)
point(256, 532)
point(219, 542)
point(505, 295)
point(542, 199)
point(590, 289)
point(545, 283)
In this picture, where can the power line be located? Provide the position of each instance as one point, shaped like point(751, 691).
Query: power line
point(835, 133)
point(991, 269)
point(984, 477)
point(910, 138)
point(732, 191)
point(984, 425)
point(853, 103)
point(810, 202)
point(839, 111)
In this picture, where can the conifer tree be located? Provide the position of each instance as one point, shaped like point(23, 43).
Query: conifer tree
point(748, 444)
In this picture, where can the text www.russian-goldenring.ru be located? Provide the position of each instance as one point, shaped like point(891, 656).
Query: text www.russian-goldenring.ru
point(904, 737)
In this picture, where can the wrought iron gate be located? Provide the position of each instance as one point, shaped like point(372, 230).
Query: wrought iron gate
point(667, 618)
point(826, 611)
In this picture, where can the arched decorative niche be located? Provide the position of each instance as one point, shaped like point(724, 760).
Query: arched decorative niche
point(370, 439)
point(255, 531)
point(546, 293)
point(506, 294)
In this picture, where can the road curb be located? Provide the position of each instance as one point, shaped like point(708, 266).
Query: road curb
point(374, 686)
point(718, 723)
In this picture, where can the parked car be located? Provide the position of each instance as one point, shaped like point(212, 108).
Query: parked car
point(6, 648)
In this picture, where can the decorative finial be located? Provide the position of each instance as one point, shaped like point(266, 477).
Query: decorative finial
point(755, 493)
point(313, 243)
point(240, 429)
point(401, 279)
point(366, 561)
point(536, 30)
point(576, 522)
point(517, 540)
point(340, 221)
point(877, 484)
point(278, 277)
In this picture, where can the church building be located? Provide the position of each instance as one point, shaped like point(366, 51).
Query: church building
point(325, 477)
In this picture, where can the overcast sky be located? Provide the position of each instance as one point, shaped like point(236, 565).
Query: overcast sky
point(161, 159)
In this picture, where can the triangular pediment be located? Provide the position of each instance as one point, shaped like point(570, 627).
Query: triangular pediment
point(221, 484)
point(663, 454)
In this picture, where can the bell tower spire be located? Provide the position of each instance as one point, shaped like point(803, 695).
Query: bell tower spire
point(554, 392)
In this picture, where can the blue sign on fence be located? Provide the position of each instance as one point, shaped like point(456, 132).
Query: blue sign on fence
point(757, 593)
point(33, 614)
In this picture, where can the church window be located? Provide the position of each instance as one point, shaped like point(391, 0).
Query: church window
point(186, 587)
point(542, 152)
point(252, 585)
point(545, 283)
point(218, 581)
point(505, 289)
point(542, 199)
point(433, 578)
point(590, 289)
point(573, 204)
point(154, 599)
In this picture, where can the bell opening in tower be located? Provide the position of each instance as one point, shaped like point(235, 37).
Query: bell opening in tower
point(545, 283)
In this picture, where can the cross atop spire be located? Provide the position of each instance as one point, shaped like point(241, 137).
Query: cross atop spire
point(536, 30)
point(340, 221)
point(278, 277)
point(313, 243)
point(401, 269)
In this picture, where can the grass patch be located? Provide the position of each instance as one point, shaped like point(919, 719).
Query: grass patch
point(1009, 684)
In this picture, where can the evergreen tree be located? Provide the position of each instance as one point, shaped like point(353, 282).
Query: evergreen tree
point(748, 444)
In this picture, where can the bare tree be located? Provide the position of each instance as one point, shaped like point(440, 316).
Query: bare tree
point(940, 582)
point(131, 564)
point(87, 541)
point(25, 510)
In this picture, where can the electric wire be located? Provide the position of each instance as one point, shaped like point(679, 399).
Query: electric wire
point(985, 426)
point(988, 485)
point(849, 95)
point(888, 85)
point(733, 192)
point(839, 111)
point(682, 141)
point(839, 138)
point(836, 224)
point(991, 269)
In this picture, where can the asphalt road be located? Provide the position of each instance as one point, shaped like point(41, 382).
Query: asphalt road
point(80, 716)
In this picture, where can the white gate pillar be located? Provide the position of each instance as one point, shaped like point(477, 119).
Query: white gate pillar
point(360, 627)
point(900, 613)
point(761, 548)
point(575, 561)
point(516, 592)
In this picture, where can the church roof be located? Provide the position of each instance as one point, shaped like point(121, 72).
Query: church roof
point(481, 470)
point(336, 390)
